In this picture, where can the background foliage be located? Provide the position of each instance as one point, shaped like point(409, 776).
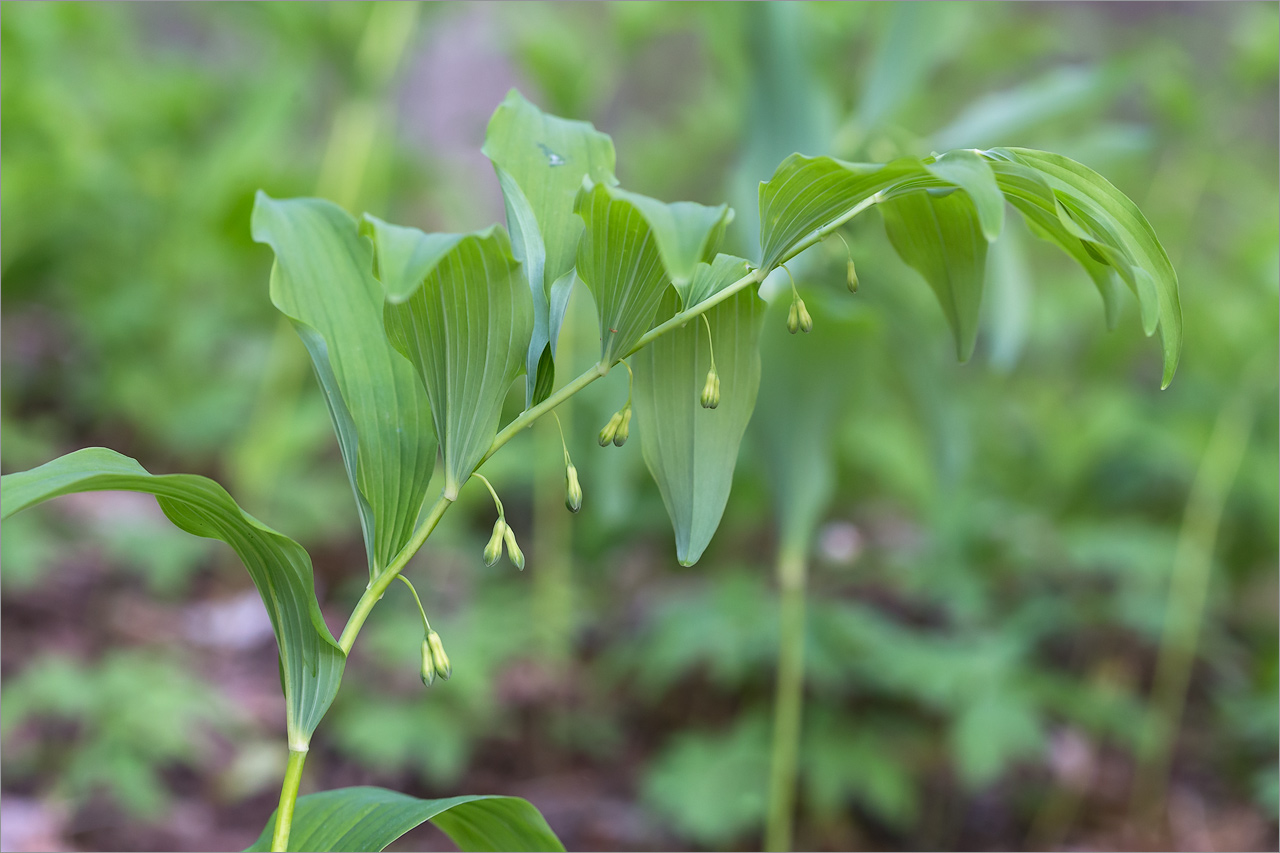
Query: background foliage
point(1009, 554)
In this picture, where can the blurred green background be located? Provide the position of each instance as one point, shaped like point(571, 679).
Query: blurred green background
point(1043, 608)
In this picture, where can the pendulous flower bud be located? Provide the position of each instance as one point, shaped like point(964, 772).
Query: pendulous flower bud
point(572, 489)
point(806, 322)
point(610, 429)
point(852, 277)
point(428, 665)
point(439, 659)
point(493, 551)
point(513, 550)
point(793, 318)
point(624, 428)
point(711, 390)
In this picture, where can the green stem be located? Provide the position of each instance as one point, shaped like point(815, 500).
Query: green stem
point(426, 625)
point(378, 586)
point(788, 708)
point(1188, 592)
point(288, 799)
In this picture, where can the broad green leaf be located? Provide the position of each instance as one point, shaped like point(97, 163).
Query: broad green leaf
point(323, 282)
point(1120, 226)
point(710, 279)
point(971, 172)
point(1028, 191)
point(941, 238)
point(806, 193)
point(540, 161)
point(1064, 201)
point(631, 248)
point(366, 818)
point(310, 661)
point(463, 317)
point(687, 233)
point(804, 395)
point(691, 451)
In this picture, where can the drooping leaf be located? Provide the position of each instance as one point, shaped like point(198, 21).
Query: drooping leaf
point(806, 193)
point(366, 818)
point(1120, 226)
point(631, 248)
point(540, 161)
point(1028, 191)
point(1064, 201)
point(310, 661)
point(691, 451)
point(323, 282)
point(941, 238)
point(462, 315)
point(687, 233)
point(971, 172)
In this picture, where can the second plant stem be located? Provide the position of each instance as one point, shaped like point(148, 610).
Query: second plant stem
point(788, 704)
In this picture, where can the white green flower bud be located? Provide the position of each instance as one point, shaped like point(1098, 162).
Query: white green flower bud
point(428, 665)
point(793, 317)
point(513, 550)
point(806, 322)
point(711, 390)
point(852, 277)
point(610, 429)
point(624, 428)
point(493, 551)
point(572, 489)
point(439, 659)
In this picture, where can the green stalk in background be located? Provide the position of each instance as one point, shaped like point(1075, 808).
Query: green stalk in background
point(1188, 592)
point(788, 703)
point(794, 436)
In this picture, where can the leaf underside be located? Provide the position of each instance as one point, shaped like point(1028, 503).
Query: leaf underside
point(367, 818)
point(1063, 201)
point(464, 321)
point(310, 661)
point(323, 281)
point(631, 248)
point(691, 451)
point(540, 161)
point(941, 238)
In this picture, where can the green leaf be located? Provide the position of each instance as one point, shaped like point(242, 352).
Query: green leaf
point(323, 281)
point(691, 451)
point(1064, 201)
point(310, 661)
point(1028, 191)
point(941, 238)
point(1127, 240)
point(540, 161)
point(806, 193)
point(461, 313)
point(687, 233)
point(366, 818)
point(710, 279)
point(631, 247)
point(971, 172)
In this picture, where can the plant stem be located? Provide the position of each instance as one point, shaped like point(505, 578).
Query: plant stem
point(788, 707)
point(288, 799)
point(1188, 592)
point(374, 591)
